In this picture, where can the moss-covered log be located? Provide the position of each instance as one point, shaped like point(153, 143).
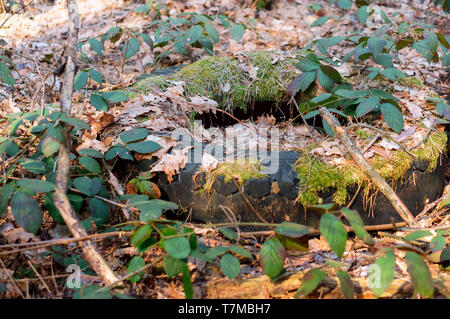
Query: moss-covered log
point(234, 82)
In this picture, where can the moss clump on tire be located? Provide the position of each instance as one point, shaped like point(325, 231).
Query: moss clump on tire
point(239, 170)
point(234, 82)
point(317, 176)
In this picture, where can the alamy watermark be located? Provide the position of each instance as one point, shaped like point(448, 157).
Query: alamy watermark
point(230, 145)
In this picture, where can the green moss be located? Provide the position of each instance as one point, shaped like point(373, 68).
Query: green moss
point(432, 149)
point(152, 82)
point(364, 135)
point(316, 176)
point(240, 170)
point(227, 80)
point(394, 168)
point(411, 82)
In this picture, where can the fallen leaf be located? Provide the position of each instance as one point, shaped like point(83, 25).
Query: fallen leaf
point(172, 164)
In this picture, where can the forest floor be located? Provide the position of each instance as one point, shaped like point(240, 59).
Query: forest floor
point(37, 37)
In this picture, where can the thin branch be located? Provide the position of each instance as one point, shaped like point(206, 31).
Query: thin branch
point(61, 200)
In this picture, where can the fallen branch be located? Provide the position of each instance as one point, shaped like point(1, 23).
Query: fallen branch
point(368, 170)
point(62, 202)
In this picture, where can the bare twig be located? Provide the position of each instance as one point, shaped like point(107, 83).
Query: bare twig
point(382, 133)
point(40, 277)
point(13, 282)
point(371, 143)
point(368, 170)
point(118, 281)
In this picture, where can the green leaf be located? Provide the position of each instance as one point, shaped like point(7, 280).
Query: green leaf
point(115, 96)
point(357, 224)
point(173, 266)
point(381, 273)
point(324, 80)
point(362, 14)
point(366, 106)
point(187, 284)
point(34, 167)
point(384, 60)
point(214, 252)
point(177, 247)
point(346, 284)
point(90, 164)
point(443, 40)
point(310, 281)
point(345, 4)
point(142, 9)
point(140, 235)
point(290, 243)
point(5, 193)
point(194, 33)
point(392, 116)
point(385, 16)
point(80, 80)
point(114, 34)
point(292, 230)
point(272, 257)
point(36, 185)
point(117, 150)
point(403, 43)
point(77, 123)
point(229, 233)
point(5, 145)
point(319, 21)
point(334, 232)
point(96, 76)
point(301, 82)
point(207, 45)
point(416, 235)
point(224, 20)
point(436, 244)
point(90, 152)
point(322, 97)
point(152, 209)
point(331, 73)
point(212, 32)
point(5, 74)
point(393, 74)
point(87, 186)
point(230, 266)
point(147, 39)
point(97, 46)
point(130, 48)
point(49, 146)
point(324, 44)
point(240, 251)
point(144, 147)
point(92, 292)
point(133, 135)
point(237, 32)
point(350, 93)
point(134, 265)
point(26, 212)
point(99, 211)
point(327, 128)
point(420, 275)
point(309, 63)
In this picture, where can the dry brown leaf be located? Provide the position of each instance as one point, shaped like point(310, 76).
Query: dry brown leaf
point(91, 142)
